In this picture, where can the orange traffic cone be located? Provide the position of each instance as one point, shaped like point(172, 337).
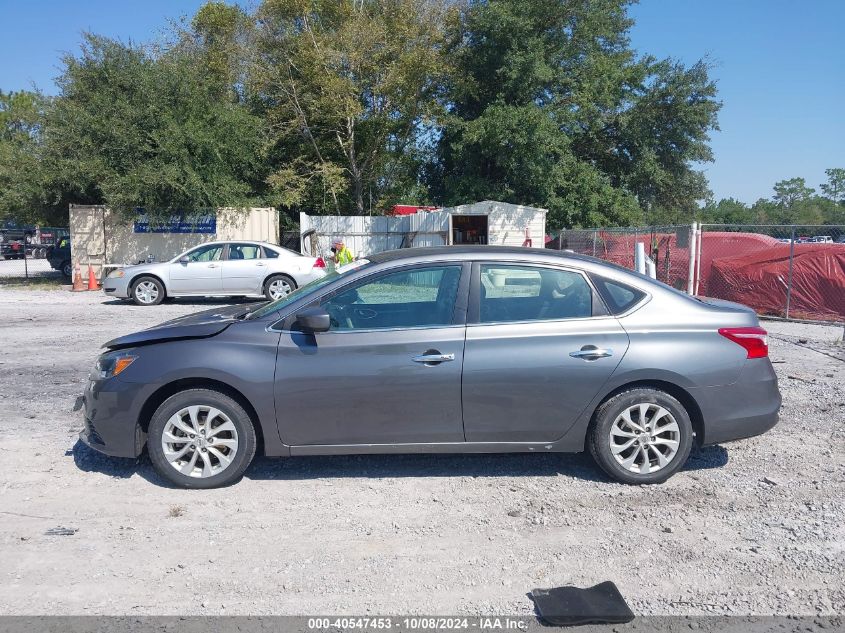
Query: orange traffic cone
point(92, 279)
point(77, 279)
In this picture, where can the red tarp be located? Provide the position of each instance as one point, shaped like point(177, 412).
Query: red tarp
point(748, 268)
point(619, 249)
point(760, 280)
point(409, 209)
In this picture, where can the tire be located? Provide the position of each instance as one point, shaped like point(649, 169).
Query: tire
point(275, 283)
point(147, 291)
point(663, 413)
point(203, 467)
point(67, 269)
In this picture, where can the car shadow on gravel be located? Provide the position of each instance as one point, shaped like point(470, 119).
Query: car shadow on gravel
point(574, 465)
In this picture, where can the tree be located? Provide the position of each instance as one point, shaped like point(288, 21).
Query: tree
point(834, 188)
point(548, 105)
point(348, 86)
point(132, 129)
point(788, 192)
point(22, 194)
point(219, 36)
point(728, 211)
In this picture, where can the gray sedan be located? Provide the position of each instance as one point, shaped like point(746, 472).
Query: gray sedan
point(443, 350)
point(241, 268)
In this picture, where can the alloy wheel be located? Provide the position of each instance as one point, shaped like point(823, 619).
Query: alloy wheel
point(146, 292)
point(199, 441)
point(644, 438)
point(279, 288)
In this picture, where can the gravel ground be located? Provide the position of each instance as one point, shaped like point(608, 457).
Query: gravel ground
point(754, 527)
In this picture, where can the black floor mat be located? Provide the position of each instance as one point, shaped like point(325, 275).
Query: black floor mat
point(571, 606)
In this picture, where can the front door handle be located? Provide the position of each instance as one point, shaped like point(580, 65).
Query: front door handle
point(433, 358)
point(591, 352)
point(260, 264)
point(212, 265)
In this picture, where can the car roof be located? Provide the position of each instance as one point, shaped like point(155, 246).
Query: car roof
point(523, 254)
point(243, 241)
point(473, 252)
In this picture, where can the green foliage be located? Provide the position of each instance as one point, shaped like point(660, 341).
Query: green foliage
point(131, 129)
point(834, 188)
point(347, 86)
point(548, 105)
point(347, 106)
point(21, 119)
point(788, 192)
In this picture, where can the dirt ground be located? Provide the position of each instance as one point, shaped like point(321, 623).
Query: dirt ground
point(754, 527)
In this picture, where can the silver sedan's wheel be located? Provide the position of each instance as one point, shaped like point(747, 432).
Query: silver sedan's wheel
point(147, 291)
point(644, 438)
point(279, 287)
point(199, 441)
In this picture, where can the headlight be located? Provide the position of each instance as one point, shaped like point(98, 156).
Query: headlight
point(109, 365)
point(117, 273)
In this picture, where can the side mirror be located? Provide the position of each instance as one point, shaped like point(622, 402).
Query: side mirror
point(314, 320)
point(184, 259)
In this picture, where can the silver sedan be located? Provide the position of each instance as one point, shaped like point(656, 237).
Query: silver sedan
point(240, 268)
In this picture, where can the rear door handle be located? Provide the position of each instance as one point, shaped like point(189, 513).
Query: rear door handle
point(260, 264)
point(212, 265)
point(433, 358)
point(591, 352)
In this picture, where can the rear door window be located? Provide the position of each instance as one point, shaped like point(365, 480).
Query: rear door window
point(511, 293)
point(244, 251)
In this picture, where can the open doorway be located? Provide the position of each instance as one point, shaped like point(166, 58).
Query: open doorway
point(469, 229)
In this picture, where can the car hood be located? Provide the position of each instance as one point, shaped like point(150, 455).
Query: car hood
point(199, 325)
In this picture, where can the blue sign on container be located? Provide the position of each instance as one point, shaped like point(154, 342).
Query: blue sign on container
point(178, 223)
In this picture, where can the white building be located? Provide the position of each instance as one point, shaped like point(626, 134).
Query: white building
point(487, 222)
point(99, 236)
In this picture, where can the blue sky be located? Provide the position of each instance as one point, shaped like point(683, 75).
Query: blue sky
point(779, 64)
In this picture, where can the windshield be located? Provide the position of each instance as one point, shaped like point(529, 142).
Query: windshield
point(309, 288)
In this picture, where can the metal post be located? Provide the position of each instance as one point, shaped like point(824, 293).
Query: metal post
point(789, 279)
point(698, 259)
point(25, 266)
point(595, 237)
point(691, 271)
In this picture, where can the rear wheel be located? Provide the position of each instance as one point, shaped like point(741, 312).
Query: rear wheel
point(641, 436)
point(67, 269)
point(201, 438)
point(278, 286)
point(147, 291)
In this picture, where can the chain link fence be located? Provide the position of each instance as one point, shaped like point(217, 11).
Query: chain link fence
point(34, 255)
point(788, 271)
point(669, 247)
point(794, 272)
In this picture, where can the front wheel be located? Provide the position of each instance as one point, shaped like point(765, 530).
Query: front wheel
point(278, 286)
point(201, 438)
point(147, 291)
point(67, 269)
point(641, 436)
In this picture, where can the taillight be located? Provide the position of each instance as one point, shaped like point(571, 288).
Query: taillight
point(319, 263)
point(753, 339)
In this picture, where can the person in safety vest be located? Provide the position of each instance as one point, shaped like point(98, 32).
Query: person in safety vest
point(340, 254)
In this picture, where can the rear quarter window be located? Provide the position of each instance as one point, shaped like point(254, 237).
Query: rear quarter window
point(619, 297)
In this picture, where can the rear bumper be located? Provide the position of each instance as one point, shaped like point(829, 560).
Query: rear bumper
point(743, 409)
point(110, 418)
